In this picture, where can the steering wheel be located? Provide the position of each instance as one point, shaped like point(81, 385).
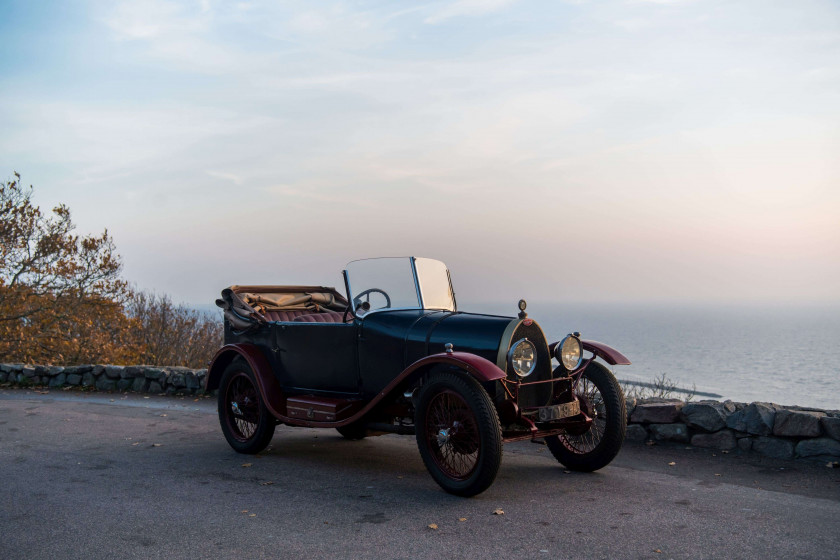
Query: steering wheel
point(357, 301)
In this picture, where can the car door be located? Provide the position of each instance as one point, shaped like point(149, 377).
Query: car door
point(318, 357)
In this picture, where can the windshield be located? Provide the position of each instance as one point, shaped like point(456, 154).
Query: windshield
point(399, 283)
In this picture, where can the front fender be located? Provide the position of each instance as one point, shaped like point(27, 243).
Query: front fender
point(606, 353)
point(268, 386)
point(481, 369)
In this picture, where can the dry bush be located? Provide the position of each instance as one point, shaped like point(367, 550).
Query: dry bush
point(173, 335)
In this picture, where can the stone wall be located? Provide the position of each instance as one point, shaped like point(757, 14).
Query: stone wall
point(783, 432)
point(138, 379)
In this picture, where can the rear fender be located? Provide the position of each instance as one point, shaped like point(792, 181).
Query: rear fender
point(267, 384)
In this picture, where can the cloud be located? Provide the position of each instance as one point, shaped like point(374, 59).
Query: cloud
point(468, 8)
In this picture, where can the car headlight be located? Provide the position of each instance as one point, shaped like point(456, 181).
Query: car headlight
point(569, 353)
point(522, 357)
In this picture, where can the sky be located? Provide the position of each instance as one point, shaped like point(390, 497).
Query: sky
point(642, 151)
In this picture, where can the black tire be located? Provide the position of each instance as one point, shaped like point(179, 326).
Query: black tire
point(465, 459)
point(353, 431)
point(246, 421)
point(602, 399)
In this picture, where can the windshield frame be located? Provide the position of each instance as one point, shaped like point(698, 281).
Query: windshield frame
point(417, 288)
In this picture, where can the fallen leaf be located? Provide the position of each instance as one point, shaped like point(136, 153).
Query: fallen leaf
point(649, 442)
point(462, 519)
point(399, 477)
point(163, 414)
point(725, 452)
point(658, 551)
point(716, 474)
point(568, 472)
point(433, 526)
point(246, 464)
point(671, 464)
point(252, 515)
point(244, 511)
point(499, 511)
point(136, 443)
point(266, 483)
point(195, 400)
point(156, 444)
point(145, 397)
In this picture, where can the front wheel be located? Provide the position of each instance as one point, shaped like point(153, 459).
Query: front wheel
point(602, 399)
point(246, 421)
point(458, 433)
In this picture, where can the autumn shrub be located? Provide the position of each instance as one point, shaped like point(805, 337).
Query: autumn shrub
point(63, 301)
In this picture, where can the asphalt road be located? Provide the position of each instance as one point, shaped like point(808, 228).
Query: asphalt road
point(96, 476)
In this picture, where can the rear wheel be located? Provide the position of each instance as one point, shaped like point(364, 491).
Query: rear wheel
point(458, 433)
point(602, 399)
point(246, 422)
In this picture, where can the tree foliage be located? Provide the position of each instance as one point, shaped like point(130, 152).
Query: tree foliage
point(63, 301)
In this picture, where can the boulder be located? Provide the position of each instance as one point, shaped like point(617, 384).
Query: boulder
point(773, 447)
point(636, 432)
point(756, 418)
point(797, 423)
point(105, 384)
point(131, 372)
point(138, 385)
point(58, 380)
point(825, 449)
point(155, 387)
point(706, 415)
point(113, 372)
point(155, 374)
point(831, 426)
point(88, 380)
point(177, 380)
point(657, 413)
point(123, 385)
point(745, 444)
point(723, 439)
point(191, 381)
point(669, 432)
point(74, 379)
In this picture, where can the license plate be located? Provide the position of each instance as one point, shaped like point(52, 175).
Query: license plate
point(559, 411)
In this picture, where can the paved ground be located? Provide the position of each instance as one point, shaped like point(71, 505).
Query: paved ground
point(94, 476)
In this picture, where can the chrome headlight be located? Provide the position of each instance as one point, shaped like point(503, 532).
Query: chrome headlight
point(522, 357)
point(569, 352)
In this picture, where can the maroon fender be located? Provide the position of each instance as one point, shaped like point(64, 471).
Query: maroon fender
point(268, 386)
point(606, 353)
point(480, 368)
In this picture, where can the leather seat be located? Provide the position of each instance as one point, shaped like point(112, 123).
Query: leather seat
point(285, 315)
point(323, 317)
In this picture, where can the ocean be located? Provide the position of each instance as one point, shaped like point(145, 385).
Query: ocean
point(786, 355)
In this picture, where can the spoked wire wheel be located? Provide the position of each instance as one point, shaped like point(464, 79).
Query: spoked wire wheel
point(246, 421)
point(242, 404)
point(458, 433)
point(592, 404)
point(452, 435)
point(602, 399)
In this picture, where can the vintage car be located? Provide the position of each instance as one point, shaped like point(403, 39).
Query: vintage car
point(396, 356)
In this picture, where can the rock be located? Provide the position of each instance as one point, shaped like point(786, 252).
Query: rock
point(669, 432)
point(757, 418)
point(55, 370)
point(113, 372)
point(28, 371)
point(773, 447)
point(177, 380)
point(74, 379)
point(824, 449)
point(723, 439)
point(105, 384)
point(78, 369)
point(123, 385)
point(191, 381)
point(155, 374)
point(831, 426)
point(98, 370)
point(58, 380)
point(636, 432)
point(4, 376)
point(629, 406)
point(155, 387)
point(88, 380)
point(797, 423)
point(706, 415)
point(131, 372)
point(657, 413)
point(745, 444)
point(139, 384)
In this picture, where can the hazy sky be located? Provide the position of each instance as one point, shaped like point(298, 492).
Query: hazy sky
point(593, 151)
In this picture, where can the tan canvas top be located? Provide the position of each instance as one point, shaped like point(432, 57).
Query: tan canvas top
point(246, 306)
